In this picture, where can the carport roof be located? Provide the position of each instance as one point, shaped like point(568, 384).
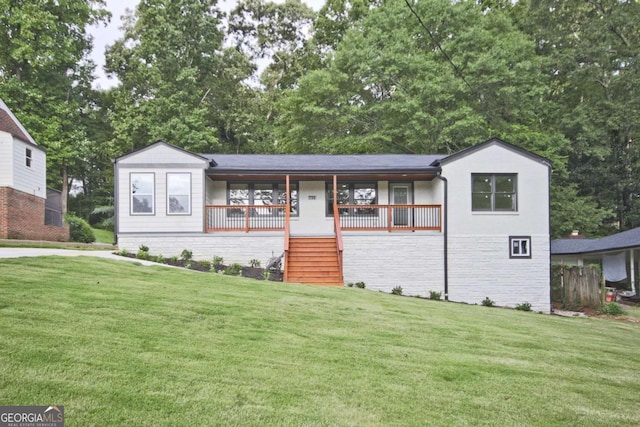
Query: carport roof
point(624, 240)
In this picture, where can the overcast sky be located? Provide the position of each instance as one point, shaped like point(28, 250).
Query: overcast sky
point(105, 36)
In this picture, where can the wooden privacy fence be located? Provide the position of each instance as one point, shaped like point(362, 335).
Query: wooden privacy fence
point(577, 287)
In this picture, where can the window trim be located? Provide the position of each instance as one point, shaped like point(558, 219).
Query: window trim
point(520, 239)
point(493, 191)
point(188, 212)
point(276, 193)
point(28, 156)
point(152, 194)
point(351, 186)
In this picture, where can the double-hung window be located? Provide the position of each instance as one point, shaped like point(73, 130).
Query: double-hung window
point(142, 193)
point(494, 192)
point(361, 194)
point(28, 157)
point(178, 193)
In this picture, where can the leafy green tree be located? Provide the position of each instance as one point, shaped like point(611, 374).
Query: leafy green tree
point(592, 50)
point(45, 76)
point(178, 82)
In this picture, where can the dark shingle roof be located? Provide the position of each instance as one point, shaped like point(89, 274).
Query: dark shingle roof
point(323, 163)
point(624, 240)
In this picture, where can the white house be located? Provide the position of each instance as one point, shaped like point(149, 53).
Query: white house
point(23, 185)
point(470, 225)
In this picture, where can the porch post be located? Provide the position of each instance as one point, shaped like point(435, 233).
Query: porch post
point(632, 260)
point(335, 193)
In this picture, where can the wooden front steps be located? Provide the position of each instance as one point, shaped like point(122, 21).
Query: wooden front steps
point(314, 261)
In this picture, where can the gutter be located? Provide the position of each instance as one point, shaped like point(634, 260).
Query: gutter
point(446, 234)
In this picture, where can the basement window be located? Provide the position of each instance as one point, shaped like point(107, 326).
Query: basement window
point(520, 247)
point(28, 156)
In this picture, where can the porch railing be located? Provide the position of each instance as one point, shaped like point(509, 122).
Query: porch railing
point(390, 217)
point(245, 218)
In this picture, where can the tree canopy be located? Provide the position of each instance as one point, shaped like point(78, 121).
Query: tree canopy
point(362, 76)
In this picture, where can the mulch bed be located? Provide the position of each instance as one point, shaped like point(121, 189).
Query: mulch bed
point(249, 272)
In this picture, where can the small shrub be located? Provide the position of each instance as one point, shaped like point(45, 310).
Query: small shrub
point(206, 265)
point(434, 295)
point(525, 306)
point(123, 252)
point(159, 259)
point(254, 263)
point(143, 248)
point(173, 260)
point(360, 285)
point(79, 230)
point(487, 302)
point(265, 274)
point(612, 309)
point(187, 264)
point(143, 255)
point(350, 285)
point(217, 261)
point(186, 255)
point(233, 270)
point(397, 290)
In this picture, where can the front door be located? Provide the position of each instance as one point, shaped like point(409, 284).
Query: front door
point(401, 195)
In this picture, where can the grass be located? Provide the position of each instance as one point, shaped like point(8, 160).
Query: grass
point(103, 236)
point(121, 344)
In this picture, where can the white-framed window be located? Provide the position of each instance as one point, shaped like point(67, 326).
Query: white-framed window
point(178, 193)
point(519, 246)
point(494, 192)
point(262, 194)
point(365, 194)
point(28, 157)
point(142, 193)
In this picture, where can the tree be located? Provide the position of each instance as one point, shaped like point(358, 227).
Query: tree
point(45, 76)
point(592, 50)
point(178, 83)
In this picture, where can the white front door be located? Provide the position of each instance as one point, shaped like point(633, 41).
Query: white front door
point(401, 195)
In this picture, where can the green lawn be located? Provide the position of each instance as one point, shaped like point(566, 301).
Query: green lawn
point(103, 236)
point(121, 344)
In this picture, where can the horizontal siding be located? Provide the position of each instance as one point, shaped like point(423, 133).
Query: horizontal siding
point(6, 157)
point(233, 248)
point(31, 180)
point(160, 154)
point(161, 221)
point(383, 261)
point(480, 267)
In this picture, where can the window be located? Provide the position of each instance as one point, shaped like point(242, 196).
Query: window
point(494, 192)
point(520, 247)
point(142, 193)
point(262, 194)
point(28, 155)
point(353, 194)
point(179, 193)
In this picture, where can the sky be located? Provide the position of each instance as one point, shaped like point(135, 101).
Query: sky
point(105, 36)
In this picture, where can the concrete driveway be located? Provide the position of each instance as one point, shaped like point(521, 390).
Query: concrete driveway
point(34, 252)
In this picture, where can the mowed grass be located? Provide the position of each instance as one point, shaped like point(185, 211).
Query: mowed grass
point(103, 236)
point(121, 344)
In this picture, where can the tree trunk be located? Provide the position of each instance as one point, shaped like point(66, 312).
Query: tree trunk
point(65, 190)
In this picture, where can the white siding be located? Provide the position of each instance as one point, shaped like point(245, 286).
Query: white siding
point(160, 159)
point(233, 247)
point(6, 159)
point(312, 204)
point(15, 172)
point(479, 263)
point(384, 260)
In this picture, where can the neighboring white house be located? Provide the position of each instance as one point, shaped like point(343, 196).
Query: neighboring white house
point(23, 184)
point(470, 225)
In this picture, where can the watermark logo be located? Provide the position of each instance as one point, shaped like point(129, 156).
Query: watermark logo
point(31, 416)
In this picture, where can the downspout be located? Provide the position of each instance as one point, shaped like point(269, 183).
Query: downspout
point(115, 202)
point(446, 236)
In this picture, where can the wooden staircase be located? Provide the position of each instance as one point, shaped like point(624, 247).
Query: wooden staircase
point(314, 260)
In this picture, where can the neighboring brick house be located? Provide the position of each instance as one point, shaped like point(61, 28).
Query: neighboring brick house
point(23, 185)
